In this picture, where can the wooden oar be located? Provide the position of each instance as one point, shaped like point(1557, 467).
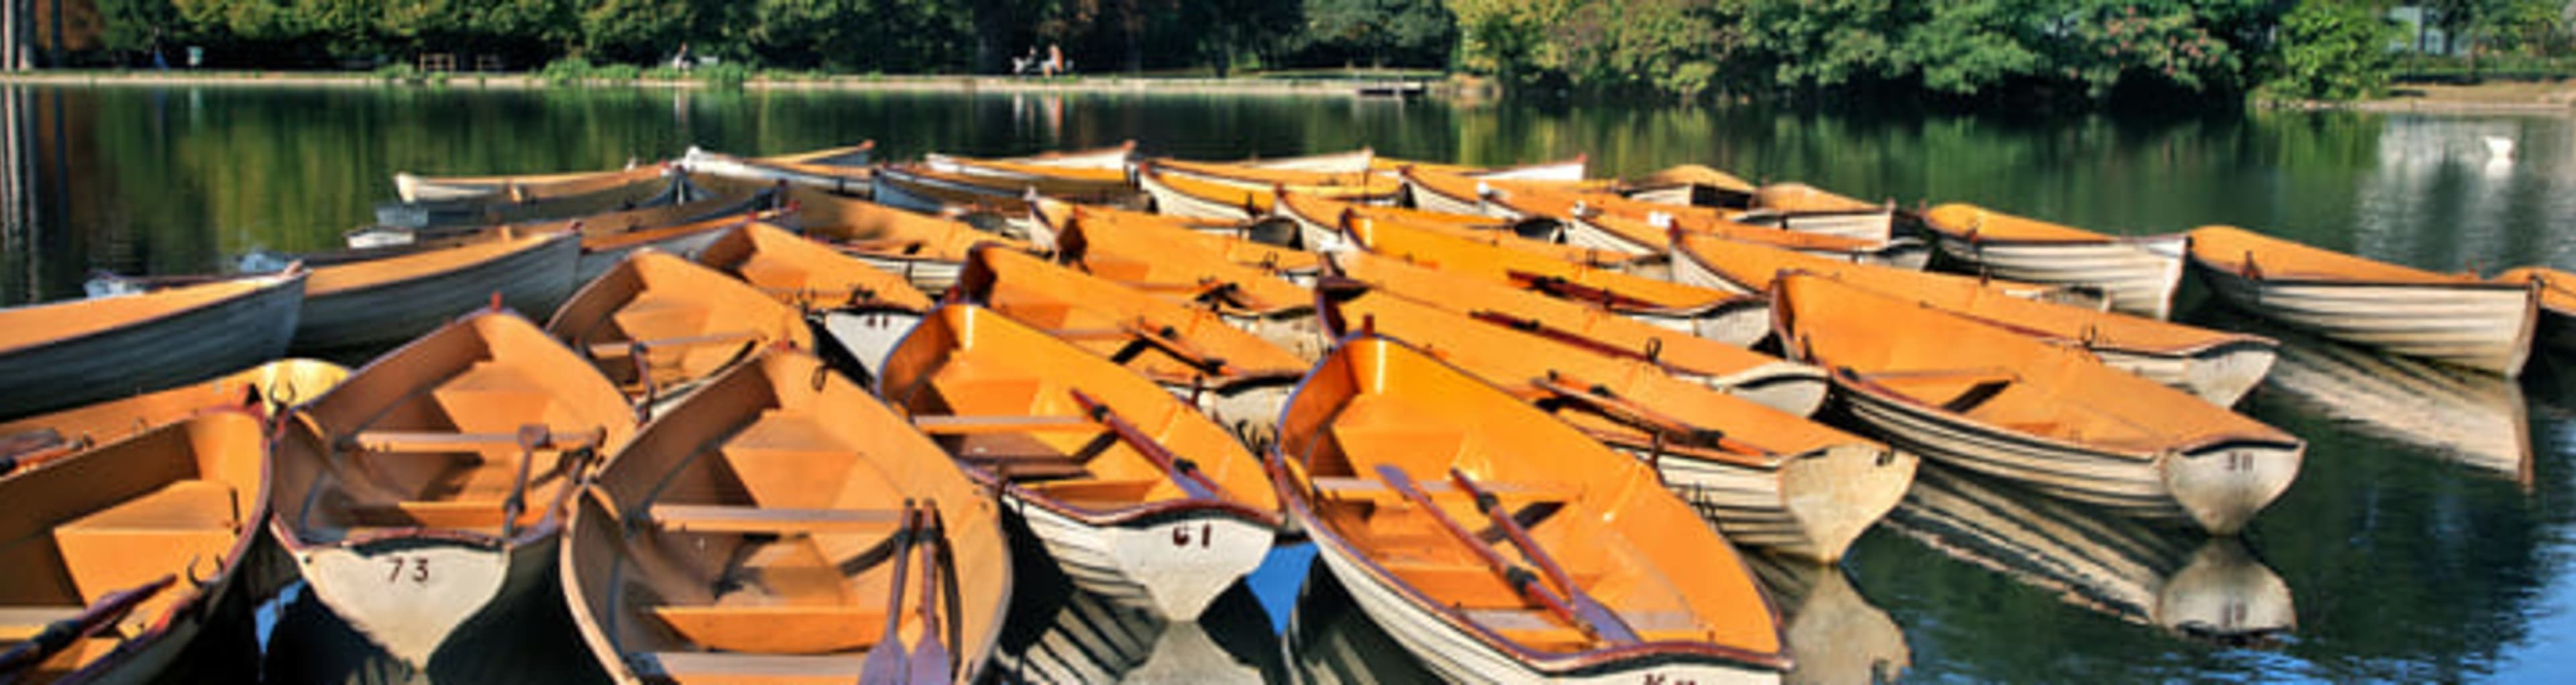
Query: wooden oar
point(64, 633)
point(1181, 470)
point(885, 663)
point(930, 659)
point(1520, 579)
point(1627, 411)
point(1607, 622)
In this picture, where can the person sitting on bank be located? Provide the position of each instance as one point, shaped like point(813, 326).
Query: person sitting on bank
point(1055, 63)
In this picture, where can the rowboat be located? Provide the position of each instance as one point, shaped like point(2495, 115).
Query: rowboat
point(416, 188)
point(1262, 301)
point(1235, 241)
point(26, 442)
point(1635, 589)
point(1346, 162)
point(1454, 192)
point(649, 186)
point(766, 529)
point(602, 252)
point(1838, 635)
point(1560, 171)
point(1693, 185)
point(1741, 455)
point(422, 497)
point(68, 354)
point(2218, 366)
point(1135, 495)
point(2189, 585)
point(1061, 635)
point(1111, 158)
point(1200, 197)
point(1607, 219)
point(689, 199)
point(1808, 209)
point(1319, 223)
point(843, 170)
point(1234, 377)
point(1984, 398)
point(923, 189)
point(95, 548)
point(2139, 273)
point(1084, 181)
point(377, 303)
point(926, 250)
point(660, 325)
point(1682, 308)
point(2444, 412)
point(807, 275)
point(2557, 326)
point(2451, 318)
point(1688, 356)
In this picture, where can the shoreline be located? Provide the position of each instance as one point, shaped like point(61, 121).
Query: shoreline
point(1353, 86)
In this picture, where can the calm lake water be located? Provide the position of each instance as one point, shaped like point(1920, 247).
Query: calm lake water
point(2428, 536)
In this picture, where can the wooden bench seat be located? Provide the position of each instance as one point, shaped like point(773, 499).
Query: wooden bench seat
point(778, 629)
point(709, 518)
point(446, 514)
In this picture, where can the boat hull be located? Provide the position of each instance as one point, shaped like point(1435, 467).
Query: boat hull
point(857, 184)
point(2221, 374)
point(1874, 226)
point(865, 337)
point(1171, 201)
point(240, 332)
point(411, 595)
point(2139, 274)
point(1812, 506)
point(533, 281)
point(1173, 562)
point(2488, 327)
point(2219, 487)
point(593, 263)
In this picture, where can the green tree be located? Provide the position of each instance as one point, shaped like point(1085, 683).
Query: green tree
point(2336, 50)
point(1412, 32)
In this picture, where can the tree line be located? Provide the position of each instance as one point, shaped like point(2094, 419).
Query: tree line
point(1992, 50)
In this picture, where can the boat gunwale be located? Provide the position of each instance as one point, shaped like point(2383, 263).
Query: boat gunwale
point(295, 278)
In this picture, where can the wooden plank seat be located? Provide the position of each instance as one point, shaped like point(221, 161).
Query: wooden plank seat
point(450, 513)
point(710, 518)
point(1021, 457)
point(628, 348)
point(22, 623)
point(436, 442)
point(777, 628)
point(783, 668)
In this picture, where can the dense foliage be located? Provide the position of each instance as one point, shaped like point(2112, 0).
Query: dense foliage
point(1992, 51)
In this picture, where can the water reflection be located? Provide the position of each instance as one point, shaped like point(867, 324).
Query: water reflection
point(2477, 419)
point(1330, 641)
point(2184, 583)
point(538, 644)
point(1060, 635)
point(1835, 633)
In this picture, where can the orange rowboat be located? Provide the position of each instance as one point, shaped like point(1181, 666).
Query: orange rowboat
point(927, 250)
point(1236, 378)
point(1113, 158)
point(520, 188)
point(808, 275)
point(1693, 310)
point(1200, 197)
point(67, 354)
point(2139, 273)
point(1388, 457)
point(2451, 318)
point(1135, 494)
point(2218, 366)
point(1231, 240)
point(2557, 326)
point(1693, 185)
point(24, 443)
point(1984, 398)
point(422, 496)
point(1808, 209)
point(1566, 171)
point(1319, 222)
point(1607, 219)
point(1267, 303)
point(1766, 477)
point(118, 558)
point(844, 170)
point(659, 325)
point(758, 532)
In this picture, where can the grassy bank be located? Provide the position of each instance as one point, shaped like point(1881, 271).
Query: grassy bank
point(1330, 82)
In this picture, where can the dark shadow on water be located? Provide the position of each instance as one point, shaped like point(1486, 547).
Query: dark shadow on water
point(537, 643)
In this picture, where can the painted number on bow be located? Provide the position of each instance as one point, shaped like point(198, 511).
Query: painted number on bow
point(1181, 535)
point(419, 569)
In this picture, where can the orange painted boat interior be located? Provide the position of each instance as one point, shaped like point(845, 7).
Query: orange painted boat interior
point(1167, 341)
point(684, 320)
point(870, 228)
point(1800, 197)
point(180, 500)
point(606, 225)
point(1506, 265)
point(818, 157)
point(1517, 362)
point(1261, 178)
point(1175, 230)
point(2558, 288)
point(1960, 220)
point(1257, 199)
point(984, 369)
point(327, 280)
point(1952, 364)
point(287, 381)
point(603, 241)
point(2002, 303)
point(803, 273)
point(32, 325)
point(423, 437)
point(1495, 302)
point(540, 187)
point(1055, 172)
point(2228, 247)
point(1624, 540)
point(1487, 230)
point(1060, 182)
point(758, 517)
point(1178, 271)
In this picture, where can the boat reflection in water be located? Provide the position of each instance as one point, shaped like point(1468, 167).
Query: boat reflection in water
point(536, 643)
point(2209, 588)
point(1058, 634)
point(1835, 633)
point(1331, 642)
point(2474, 418)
